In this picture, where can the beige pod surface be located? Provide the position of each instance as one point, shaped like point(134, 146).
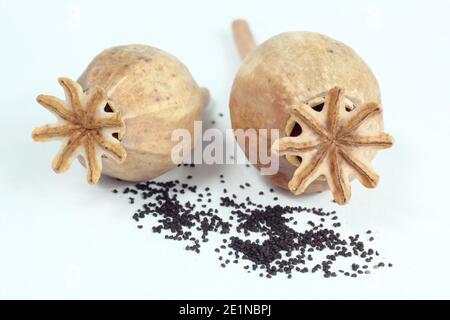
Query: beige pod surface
point(298, 69)
point(153, 94)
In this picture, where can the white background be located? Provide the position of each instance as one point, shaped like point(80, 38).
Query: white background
point(60, 238)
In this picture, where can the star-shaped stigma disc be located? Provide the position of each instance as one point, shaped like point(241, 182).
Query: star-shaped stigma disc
point(87, 125)
point(332, 145)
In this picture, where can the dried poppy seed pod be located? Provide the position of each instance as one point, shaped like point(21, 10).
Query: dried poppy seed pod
point(120, 115)
point(325, 101)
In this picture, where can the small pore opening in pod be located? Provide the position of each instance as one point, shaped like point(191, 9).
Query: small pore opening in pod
point(318, 107)
point(116, 135)
point(108, 108)
point(296, 161)
point(349, 108)
point(296, 130)
point(349, 105)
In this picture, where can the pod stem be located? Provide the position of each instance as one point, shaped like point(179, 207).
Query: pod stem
point(243, 37)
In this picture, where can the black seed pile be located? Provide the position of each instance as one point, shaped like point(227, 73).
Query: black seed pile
point(180, 221)
point(266, 239)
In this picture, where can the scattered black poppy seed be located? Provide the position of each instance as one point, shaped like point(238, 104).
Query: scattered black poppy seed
point(277, 247)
